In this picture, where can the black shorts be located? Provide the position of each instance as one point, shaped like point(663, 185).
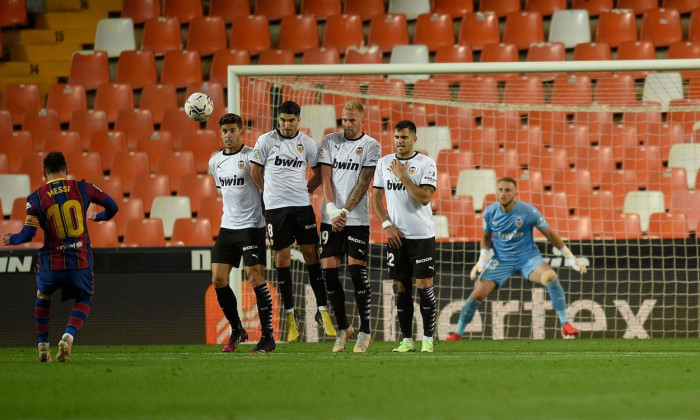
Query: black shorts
point(352, 240)
point(231, 244)
point(415, 258)
point(288, 224)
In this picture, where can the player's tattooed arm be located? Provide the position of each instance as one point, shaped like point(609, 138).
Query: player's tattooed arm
point(361, 187)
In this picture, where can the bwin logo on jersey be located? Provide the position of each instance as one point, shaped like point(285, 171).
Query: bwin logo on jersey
point(346, 165)
point(300, 148)
point(358, 151)
point(397, 186)
point(240, 164)
point(294, 163)
point(227, 182)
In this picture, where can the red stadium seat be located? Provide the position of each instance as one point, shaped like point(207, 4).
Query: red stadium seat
point(343, 31)
point(229, 9)
point(19, 98)
point(638, 7)
point(161, 34)
point(181, 68)
point(298, 33)
point(175, 165)
point(127, 165)
point(193, 232)
point(478, 29)
point(129, 209)
point(387, 31)
point(545, 7)
point(661, 26)
point(366, 9)
point(434, 30)
point(154, 145)
point(89, 69)
point(615, 26)
point(224, 58)
point(183, 10)
point(594, 7)
point(250, 33)
point(275, 9)
point(157, 98)
point(147, 187)
point(134, 123)
point(104, 234)
point(85, 122)
point(140, 10)
point(112, 97)
point(206, 34)
point(65, 99)
point(107, 143)
point(454, 8)
point(668, 226)
point(523, 29)
point(39, 124)
point(499, 7)
point(144, 232)
point(320, 8)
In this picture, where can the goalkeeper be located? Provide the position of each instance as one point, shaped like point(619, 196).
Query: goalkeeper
point(508, 231)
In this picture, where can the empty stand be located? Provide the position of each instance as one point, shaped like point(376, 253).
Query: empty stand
point(107, 143)
point(545, 7)
point(192, 232)
point(19, 98)
point(103, 234)
point(183, 10)
point(127, 165)
point(134, 123)
point(478, 29)
point(175, 165)
point(144, 232)
point(343, 31)
point(211, 208)
point(661, 26)
point(686, 155)
point(161, 34)
point(66, 98)
point(86, 166)
point(136, 68)
point(114, 36)
point(250, 33)
point(154, 145)
point(637, 6)
point(523, 29)
point(39, 123)
point(148, 187)
point(112, 97)
point(206, 34)
point(157, 98)
point(644, 203)
point(168, 209)
point(85, 122)
point(89, 69)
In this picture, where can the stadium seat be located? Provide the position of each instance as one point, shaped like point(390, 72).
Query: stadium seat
point(321, 56)
point(32, 164)
point(161, 34)
point(694, 27)
point(168, 209)
point(622, 226)
point(409, 54)
point(114, 36)
point(410, 8)
point(66, 98)
point(134, 123)
point(412, 111)
point(274, 10)
point(644, 203)
point(129, 209)
point(196, 186)
point(594, 7)
point(622, 138)
point(86, 166)
point(85, 122)
point(320, 8)
point(127, 165)
point(229, 9)
point(224, 58)
point(206, 34)
point(298, 33)
point(453, 161)
point(19, 98)
point(203, 144)
point(211, 208)
point(546, 51)
point(113, 186)
point(175, 165)
point(4, 164)
point(103, 234)
point(615, 26)
point(662, 88)
point(13, 186)
point(476, 183)
point(89, 69)
point(144, 232)
point(683, 6)
point(38, 124)
point(638, 7)
point(572, 89)
point(453, 54)
point(192, 232)
point(250, 33)
point(645, 120)
point(140, 10)
point(496, 53)
point(157, 98)
point(434, 30)
point(14, 13)
point(154, 145)
point(387, 31)
point(686, 155)
point(636, 50)
point(183, 10)
point(661, 26)
point(19, 209)
point(688, 203)
point(363, 55)
point(6, 126)
point(273, 57)
point(343, 31)
point(148, 187)
point(365, 9)
point(523, 29)
point(668, 226)
point(571, 27)
point(667, 180)
point(592, 51)
point(576, 228)
point(615, 90)
point(432, 140)
point(111, 97)
point(524, 90)
point(181, 68)
point(545, 7)
point(499, 7)
point(455, 8)
point(685, 49)
point(478, 29)
point(684, 112)
point(136, 68)
point(107, 143)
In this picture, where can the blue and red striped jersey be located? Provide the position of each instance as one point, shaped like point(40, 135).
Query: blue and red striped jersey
point(60, 208)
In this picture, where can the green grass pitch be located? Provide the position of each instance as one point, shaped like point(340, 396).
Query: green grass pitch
point(484, 379)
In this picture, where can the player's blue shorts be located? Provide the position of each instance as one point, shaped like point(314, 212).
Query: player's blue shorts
point(74, 284)
point(499, 271)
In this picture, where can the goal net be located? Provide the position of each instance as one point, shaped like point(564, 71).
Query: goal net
point(605, 150)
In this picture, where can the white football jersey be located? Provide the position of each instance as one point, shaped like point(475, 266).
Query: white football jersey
point(412, 219)
point(285, 161)
point(347, 158)
point(241, 197)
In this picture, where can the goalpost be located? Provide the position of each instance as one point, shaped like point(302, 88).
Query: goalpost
point(605, 149)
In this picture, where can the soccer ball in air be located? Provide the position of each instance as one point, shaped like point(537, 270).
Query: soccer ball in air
point(199, 106)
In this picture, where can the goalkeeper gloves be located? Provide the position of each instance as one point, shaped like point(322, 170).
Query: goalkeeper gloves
point(572, 261)
point(481, 264)
point(334, 211)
